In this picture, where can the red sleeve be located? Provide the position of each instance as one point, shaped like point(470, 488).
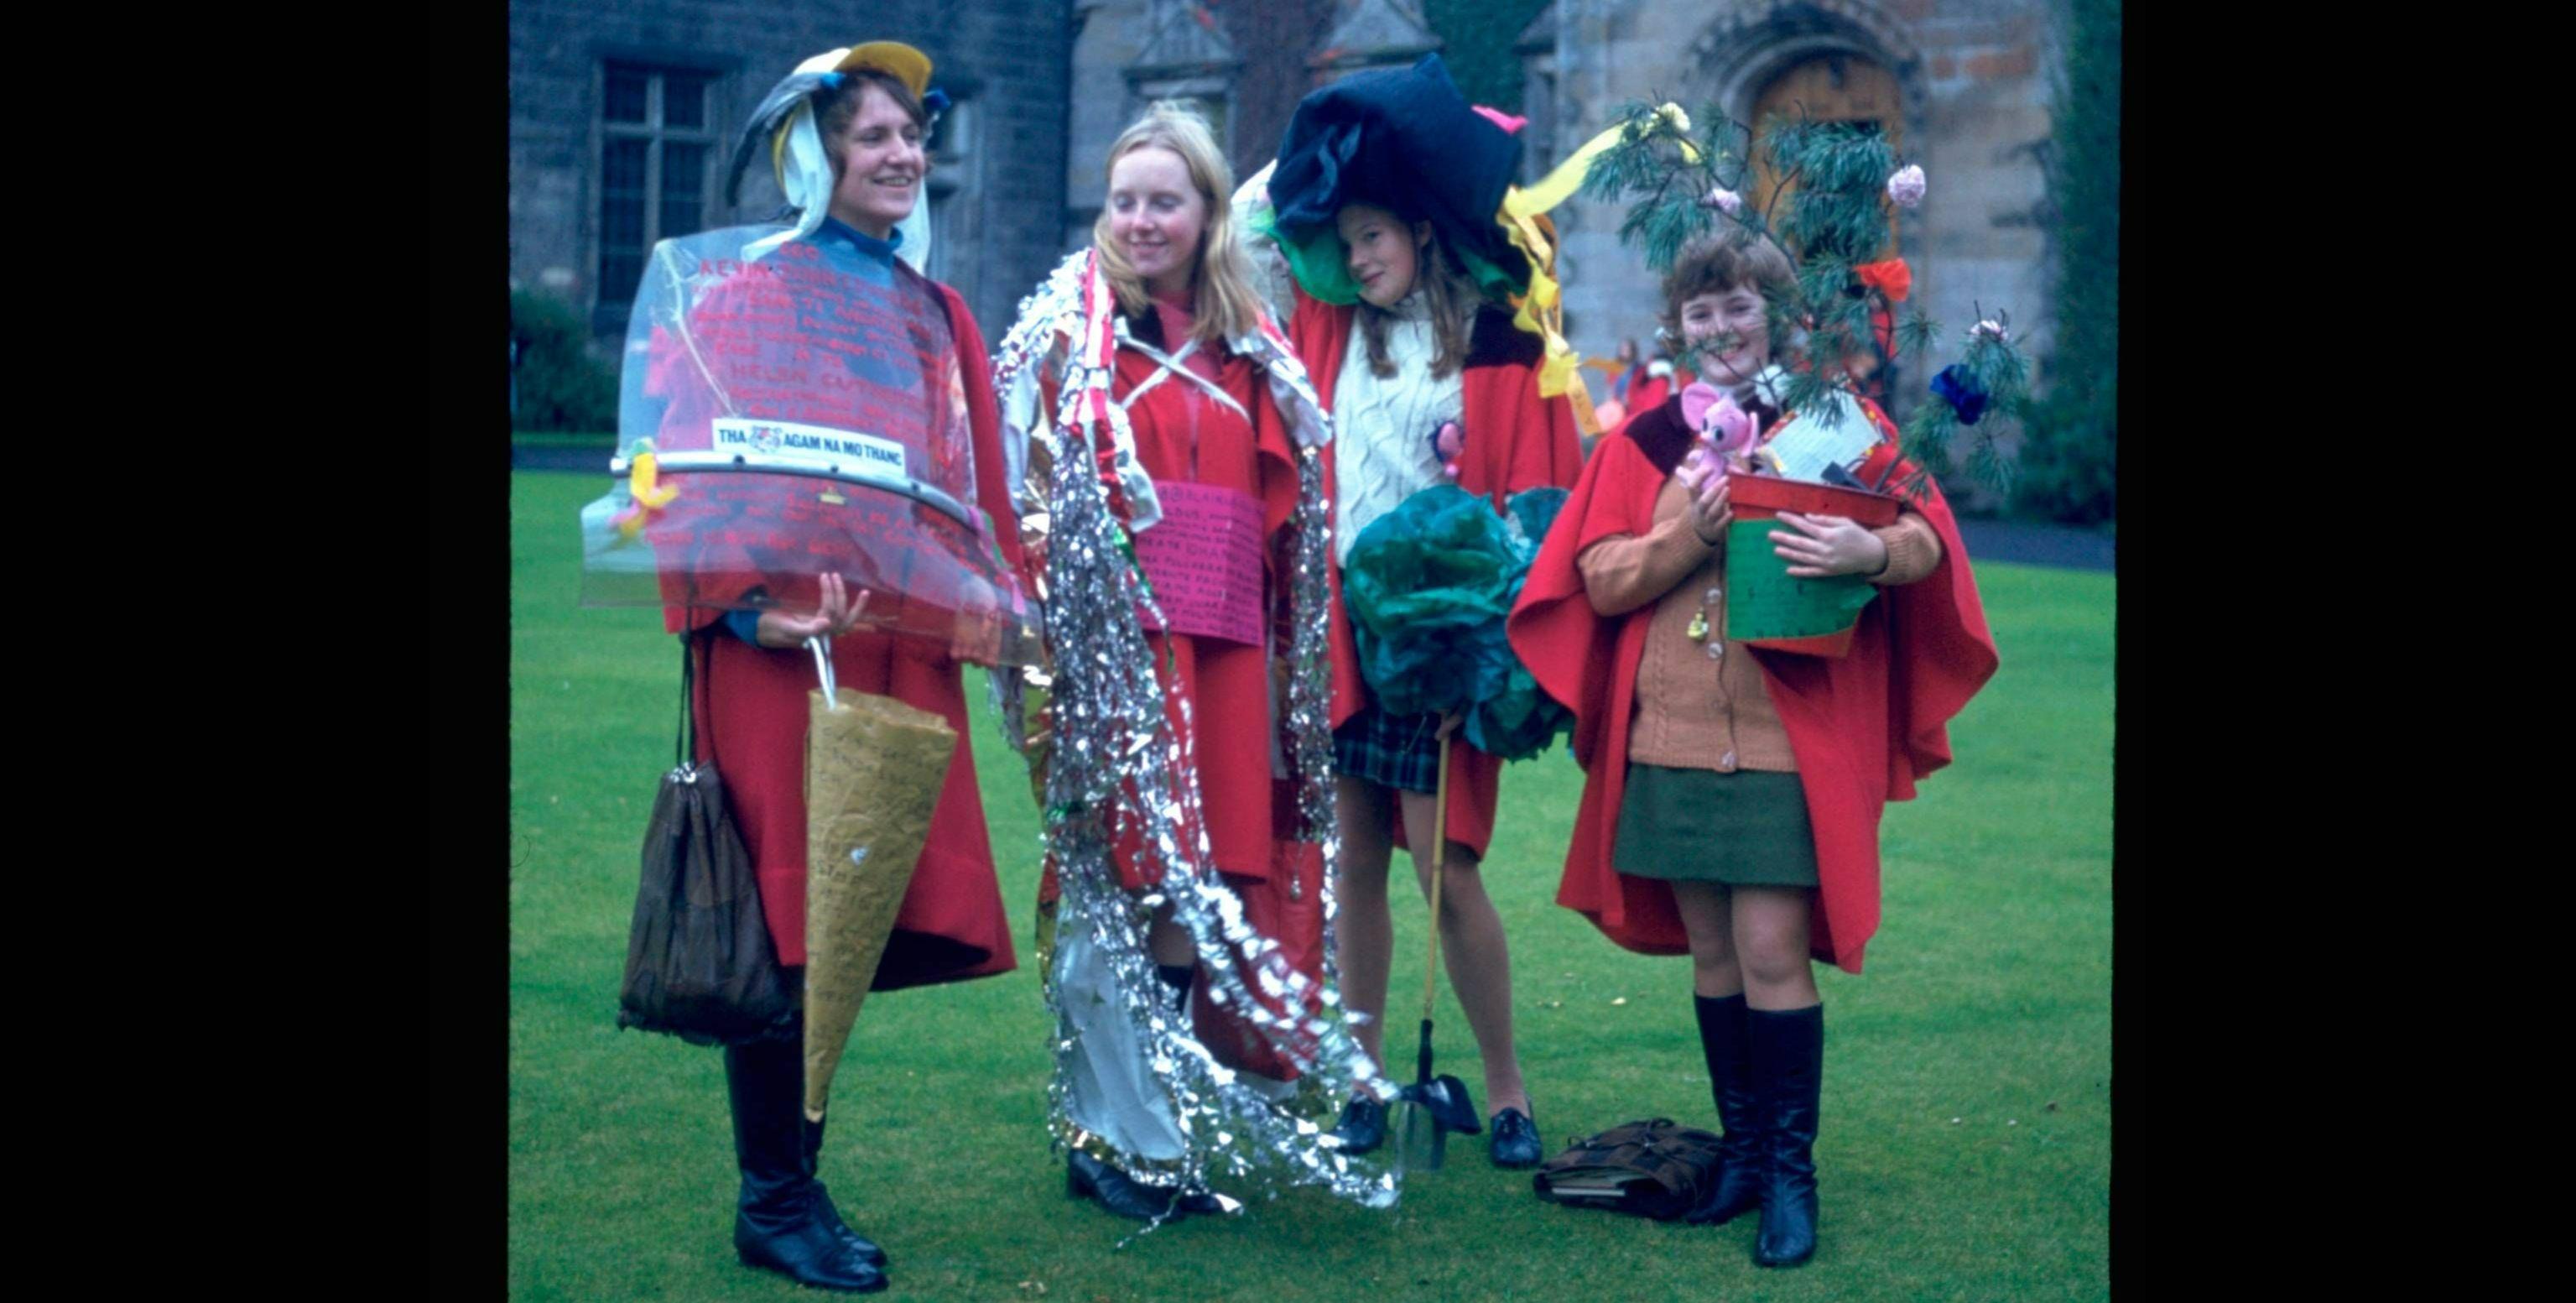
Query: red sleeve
point(984, 426)
point(1567, 645)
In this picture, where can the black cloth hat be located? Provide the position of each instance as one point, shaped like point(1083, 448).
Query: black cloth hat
point(1404, 140)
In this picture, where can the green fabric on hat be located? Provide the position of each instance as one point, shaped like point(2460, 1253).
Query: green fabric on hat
point(1322, 263)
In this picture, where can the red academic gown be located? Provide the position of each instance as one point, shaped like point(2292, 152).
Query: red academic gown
point(1184, 434)
point(1515, 440)
point(1649, 393)
point(750, 709)
point(1864, 726)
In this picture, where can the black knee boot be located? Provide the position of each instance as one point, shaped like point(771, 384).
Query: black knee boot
point(824, 1213)
point(775, 1224)
point(1788, 1070)
point(1736, 1186)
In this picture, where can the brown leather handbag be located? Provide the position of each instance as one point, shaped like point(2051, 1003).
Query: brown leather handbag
point(1652, 1168)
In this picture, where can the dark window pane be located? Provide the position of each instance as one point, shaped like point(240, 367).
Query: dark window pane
point(621, 168)
point(619, 273)
point(684, 176)
point(621, 195)
point(684, 99)
point(625, 98)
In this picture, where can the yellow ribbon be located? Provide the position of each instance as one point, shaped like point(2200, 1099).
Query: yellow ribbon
point(1559, 185)
point(1541, 311)
point(643, 480)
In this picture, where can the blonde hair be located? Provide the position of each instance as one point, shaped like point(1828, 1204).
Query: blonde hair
point(1227, 305)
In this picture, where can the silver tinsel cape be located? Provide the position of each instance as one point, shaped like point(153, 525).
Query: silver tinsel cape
point(1132, 1084)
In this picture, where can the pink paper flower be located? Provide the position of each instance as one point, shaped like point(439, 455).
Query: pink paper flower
point(1906, 187)
point(1724, 200)
point(1988, 329)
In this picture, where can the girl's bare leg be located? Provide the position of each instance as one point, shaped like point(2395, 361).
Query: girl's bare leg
point(1771, 947)
point(1708, 920)
point(1473, 950)
point(1364, 929)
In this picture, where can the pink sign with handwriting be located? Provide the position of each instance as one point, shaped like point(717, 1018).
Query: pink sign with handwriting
point(1204, 561)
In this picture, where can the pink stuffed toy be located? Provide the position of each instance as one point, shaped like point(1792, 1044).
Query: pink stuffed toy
point(1447, 442)
point(1725, 430)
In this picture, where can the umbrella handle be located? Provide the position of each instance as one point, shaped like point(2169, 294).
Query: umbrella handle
point(1439, 860)
point(821, 645)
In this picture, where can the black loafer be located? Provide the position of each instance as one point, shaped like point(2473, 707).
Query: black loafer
point(1362, 1128)
point(1515, 1140)
point(1086, 1177)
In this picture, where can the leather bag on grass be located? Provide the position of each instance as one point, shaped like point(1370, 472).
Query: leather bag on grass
point(1652, 1168)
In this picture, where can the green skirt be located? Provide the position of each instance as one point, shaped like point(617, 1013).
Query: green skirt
point(1748, 828)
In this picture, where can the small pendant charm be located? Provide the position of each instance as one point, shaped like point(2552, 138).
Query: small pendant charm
point(1698, 630)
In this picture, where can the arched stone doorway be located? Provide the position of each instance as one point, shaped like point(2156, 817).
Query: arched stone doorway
point(1839, 61)
point(1832, 87)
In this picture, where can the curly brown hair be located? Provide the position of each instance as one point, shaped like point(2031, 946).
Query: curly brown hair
point(1718, 263)
point(836, 107)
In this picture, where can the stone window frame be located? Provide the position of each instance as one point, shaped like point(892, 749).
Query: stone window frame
point(612, 302)
point(1199, 92)
point(953, 188)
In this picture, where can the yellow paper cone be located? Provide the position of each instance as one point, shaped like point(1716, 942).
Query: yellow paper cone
point(873, 770)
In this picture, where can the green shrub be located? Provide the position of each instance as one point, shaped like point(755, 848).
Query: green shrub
point(2068, 467)
point(559, 384)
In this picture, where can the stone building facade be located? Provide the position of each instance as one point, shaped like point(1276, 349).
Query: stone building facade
point(623, 120)
point(605, 144)
point(1961, 85)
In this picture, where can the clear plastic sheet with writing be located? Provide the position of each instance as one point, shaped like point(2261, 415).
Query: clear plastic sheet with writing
point(790, 415)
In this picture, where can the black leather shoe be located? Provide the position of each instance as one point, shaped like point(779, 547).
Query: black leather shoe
point(1735, 1187)
point(1086, 1177)
point(1515, 1140)
point(827, 1216)
point(1363, 1126)
point(1208, 1203)
point(775, 1224)
point(1788, 1066)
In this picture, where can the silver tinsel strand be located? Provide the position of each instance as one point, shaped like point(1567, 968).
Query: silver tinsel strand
point(1119, 767)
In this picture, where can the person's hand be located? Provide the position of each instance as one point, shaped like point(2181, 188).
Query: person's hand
point(837, 615)
point(1828, 545)
point(1710, 512)
point(977, 636)
point(1449, 724)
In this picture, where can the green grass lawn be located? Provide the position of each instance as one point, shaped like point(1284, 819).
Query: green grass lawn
point(1965, 1151)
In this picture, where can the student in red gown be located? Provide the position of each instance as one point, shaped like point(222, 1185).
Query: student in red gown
point(1732, 793)
point(1422, 345)
point(1209, 433)
point(752, 672)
